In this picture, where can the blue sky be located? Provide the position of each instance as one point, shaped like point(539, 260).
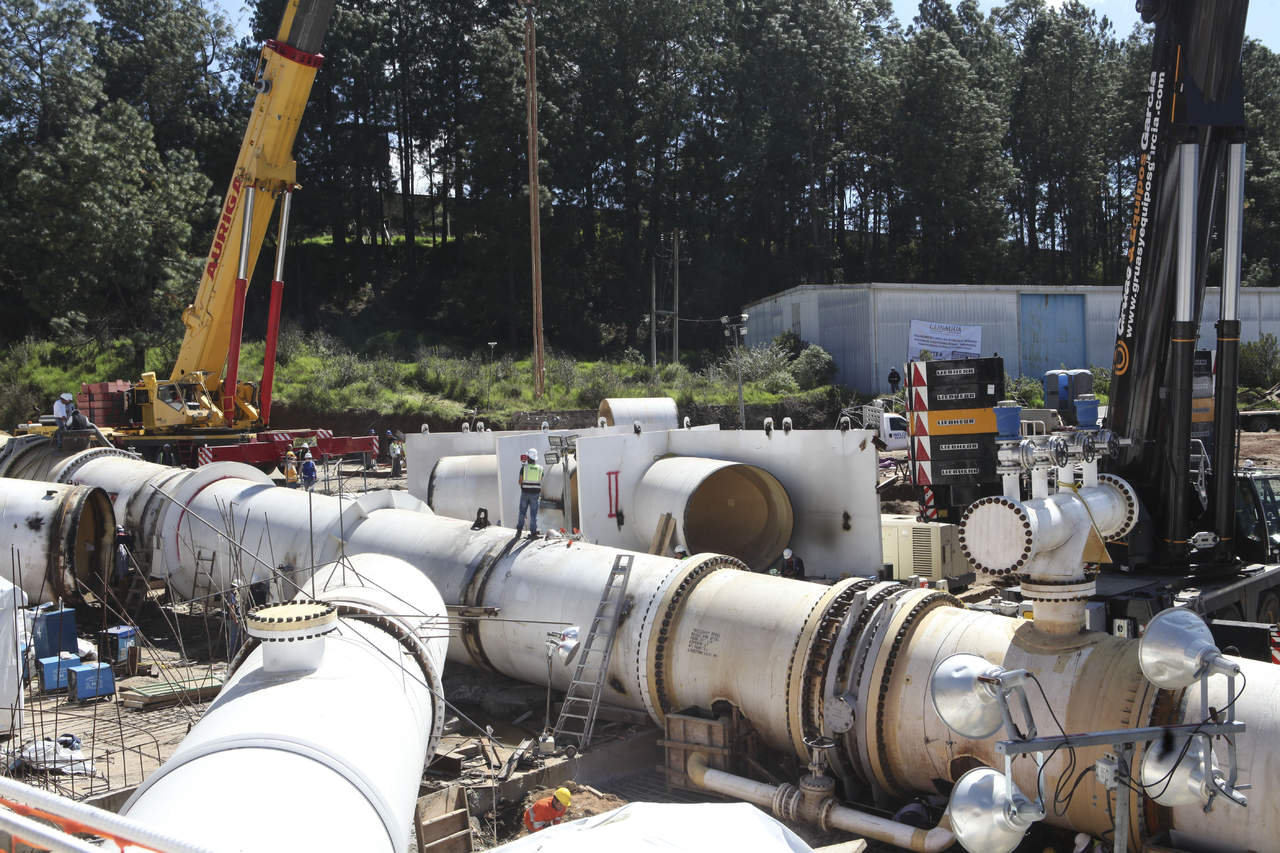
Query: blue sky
point(1263, 23)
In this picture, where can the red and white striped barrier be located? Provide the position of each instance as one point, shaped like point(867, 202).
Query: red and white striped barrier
point(928, 509)
point(204, 455)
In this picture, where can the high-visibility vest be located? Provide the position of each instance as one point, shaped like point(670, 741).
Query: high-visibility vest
point(531, 474)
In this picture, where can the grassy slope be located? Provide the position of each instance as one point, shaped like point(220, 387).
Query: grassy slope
point(317, 372)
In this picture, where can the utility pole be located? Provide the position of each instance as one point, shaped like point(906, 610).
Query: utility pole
point(535, 231)
point(735, 329)
point(653, 313)
point(675, 301)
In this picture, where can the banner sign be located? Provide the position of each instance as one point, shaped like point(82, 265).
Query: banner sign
point(944, 340)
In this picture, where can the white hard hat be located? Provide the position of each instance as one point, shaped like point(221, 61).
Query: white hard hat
point(786, 553)
point(680, 549)
point(66, 395)
point(532, 454)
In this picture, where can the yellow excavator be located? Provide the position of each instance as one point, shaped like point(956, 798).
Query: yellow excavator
point(199, 398)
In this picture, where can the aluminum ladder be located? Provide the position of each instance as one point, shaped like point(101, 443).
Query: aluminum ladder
point(582, 701)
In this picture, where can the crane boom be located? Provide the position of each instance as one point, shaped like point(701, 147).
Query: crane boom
point(1195, 114)
point(265, 168)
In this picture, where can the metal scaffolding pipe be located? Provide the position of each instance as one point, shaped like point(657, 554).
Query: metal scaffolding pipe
point(61, 536)
point(291, 741)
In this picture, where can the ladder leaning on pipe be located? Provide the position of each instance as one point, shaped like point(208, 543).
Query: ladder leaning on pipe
point(582, 700)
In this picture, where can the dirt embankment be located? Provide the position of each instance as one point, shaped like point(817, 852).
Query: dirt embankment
point(1261, 447)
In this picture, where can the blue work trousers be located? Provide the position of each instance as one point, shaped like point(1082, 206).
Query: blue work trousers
point(529, 504)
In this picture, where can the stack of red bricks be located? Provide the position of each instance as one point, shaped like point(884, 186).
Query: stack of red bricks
point(103, 403)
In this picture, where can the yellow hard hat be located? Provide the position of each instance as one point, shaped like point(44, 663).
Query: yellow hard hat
point(562, 794)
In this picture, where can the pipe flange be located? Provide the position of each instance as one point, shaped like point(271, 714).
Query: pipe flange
point(67, 470)
point(832, 688)
point(1130, 502)
point(824, 814)
point(981, 554)
point(1059, 591)
point(831, 609)
point(930, 600)
point(291, 621)
point(875, 621)
point(659, 619)
point(786, 802)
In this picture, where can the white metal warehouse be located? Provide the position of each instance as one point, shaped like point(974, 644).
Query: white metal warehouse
point(865, 326)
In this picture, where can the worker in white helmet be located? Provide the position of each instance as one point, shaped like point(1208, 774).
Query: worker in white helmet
point(530, 491)
point(792, 566)
point(62, 408)
point(308, 472)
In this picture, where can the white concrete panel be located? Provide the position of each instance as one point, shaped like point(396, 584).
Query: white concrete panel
point(829, 476)
point(423, 450)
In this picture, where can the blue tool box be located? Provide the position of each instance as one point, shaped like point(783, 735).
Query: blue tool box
point(90, 681)
point(54, 631)
point(53, 672)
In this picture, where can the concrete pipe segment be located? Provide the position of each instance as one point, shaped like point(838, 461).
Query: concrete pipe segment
point(852, 661)
point(719, 506)
point(292, 755)
point(61, 539)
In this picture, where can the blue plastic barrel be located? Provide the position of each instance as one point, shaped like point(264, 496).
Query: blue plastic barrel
point(1008, 420)
point(1087, 411)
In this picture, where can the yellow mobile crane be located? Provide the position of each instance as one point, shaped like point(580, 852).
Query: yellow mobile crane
point(198, 399)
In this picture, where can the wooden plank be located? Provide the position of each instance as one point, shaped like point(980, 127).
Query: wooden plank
point(459, 842)
point(157, 695)
point(662, 534)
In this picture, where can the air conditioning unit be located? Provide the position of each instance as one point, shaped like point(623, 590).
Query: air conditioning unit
point(927, 549)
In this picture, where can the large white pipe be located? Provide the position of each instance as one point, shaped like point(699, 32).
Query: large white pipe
point(719, 506)
point(61, 538)
point(460, 485)
point(650, 412)
point(319, 743)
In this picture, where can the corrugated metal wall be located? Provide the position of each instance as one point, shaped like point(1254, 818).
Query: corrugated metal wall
point(865, 327)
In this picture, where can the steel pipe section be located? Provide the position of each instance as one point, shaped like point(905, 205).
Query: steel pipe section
point(292, 756)
point(61, 538)
point(1047, 541)
point(1000, 535)
point(719, 507)
point(651, 413)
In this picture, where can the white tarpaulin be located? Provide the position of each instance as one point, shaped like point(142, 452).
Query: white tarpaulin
point(944, 340)
point(12, 599)
point(648, 827)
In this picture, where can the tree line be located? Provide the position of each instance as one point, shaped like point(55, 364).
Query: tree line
point(786, 142)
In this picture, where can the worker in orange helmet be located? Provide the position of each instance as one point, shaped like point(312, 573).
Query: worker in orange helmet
point(547, 811)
